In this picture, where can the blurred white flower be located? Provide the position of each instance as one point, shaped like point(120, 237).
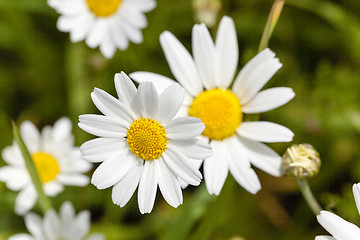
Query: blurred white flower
point(207, 78)
point(338, 227)
point(140, 143)
point(109, 24)
point(56, 159)
point(65, 226)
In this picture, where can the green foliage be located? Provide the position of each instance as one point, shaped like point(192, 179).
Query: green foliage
point(44, 76)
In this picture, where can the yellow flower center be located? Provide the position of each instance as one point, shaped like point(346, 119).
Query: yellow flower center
point(46, 165)
point(146, 138)
point(103, 8)
point(220, 111)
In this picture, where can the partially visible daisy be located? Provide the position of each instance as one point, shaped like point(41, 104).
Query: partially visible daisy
point(207, 77)
point(65, 226)
point(141, 143)
point(338, 227)
point(57, 161)
point(109, 24)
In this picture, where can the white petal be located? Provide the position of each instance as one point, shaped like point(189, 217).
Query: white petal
point(227, 52)
point(181, 64)
point(168, 184)
point(255, 74)
point(117, 34)
point(83, 25)
point(262, 156)
point(170, 102)
point(81, 225)
point(198, 164)
point(67, 216)
point(102, 126)
point(269, 99)
point(111, 106)
point(181, 166)
point(97, 33)
point(240, 166)
point(34, 225)
point(338, 227)
point(25, 200)
point(261, 131)
point(107, 46)
point(15, 178)
point(324, 238)
point(30, 135)
point(133, 16)
point(12, 155)
point(125, 88)
point(74, 179)
point(147, 100)
point(192, 148)
point(113, 169)
point(216, 167)
point(134, 34)
point(21, 236)
point(183, 128)
point(204, 55)
point(96, 236)
point(75, 163)
point(147, 187)
point(356, 191)
point(53, 188)
point(160, 82)
point(125, 188)
point(100, 149)
point(144, 5)
point(51, 222)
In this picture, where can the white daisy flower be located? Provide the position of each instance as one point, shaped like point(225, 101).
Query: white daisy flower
point(109, 24)
point(207, 77)
point(65, 226)
point(56, 159)
point(140, 143)
point(338, 227)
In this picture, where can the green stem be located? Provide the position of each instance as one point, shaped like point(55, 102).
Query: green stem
point(271, 23)
point(309, 196)
point(43, 199)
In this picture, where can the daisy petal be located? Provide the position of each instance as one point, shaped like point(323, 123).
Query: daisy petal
point(356, 191)
point(168, 183)
point(113, 169)
point(181, 166)
point(262, 156)
point(102, 126)
point(30, 134)
point(184, 128)
point(81, 225)
point(216, 167)
point(25, 200)
point(269, 99)
point(51, 224)
point(204, 55)
point(146, 101)
point(125, 188)
point(15, 178)
point(33, 224)
point(107, 46)
point(338, 227)
point(125, 88)
point(181, 64)
point(265, 132)
point(255, 74)
point(21, 236)
point(227, 52)
point(100, 149)
point(240, 167)
point(111, 106)
point(324, 238)
point(197, 164)
point(170, 102)
point(96, 236)
point(53, 188)
point(96, 33)
point(147, 187)
point(192, 148)
point(160, 82)
point(72, 179)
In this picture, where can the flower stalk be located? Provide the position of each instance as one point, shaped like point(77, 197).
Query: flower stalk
point(271, 23)
point(309, 196)
point(44, 201)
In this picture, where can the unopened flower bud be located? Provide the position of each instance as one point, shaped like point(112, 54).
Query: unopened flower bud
point(301, 161)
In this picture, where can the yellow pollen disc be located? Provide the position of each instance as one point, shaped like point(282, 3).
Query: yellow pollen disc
point(146, 138)
point(103, 8)
point(46, 165)
point(220, 111)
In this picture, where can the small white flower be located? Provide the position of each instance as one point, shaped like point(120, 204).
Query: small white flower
point(109, 24)
point(141, 144)
point(207, 77)
point(338, 227)
point(56, 159)
point(65, 226)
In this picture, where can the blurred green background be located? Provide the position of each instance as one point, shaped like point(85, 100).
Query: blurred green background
point(43, 76)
